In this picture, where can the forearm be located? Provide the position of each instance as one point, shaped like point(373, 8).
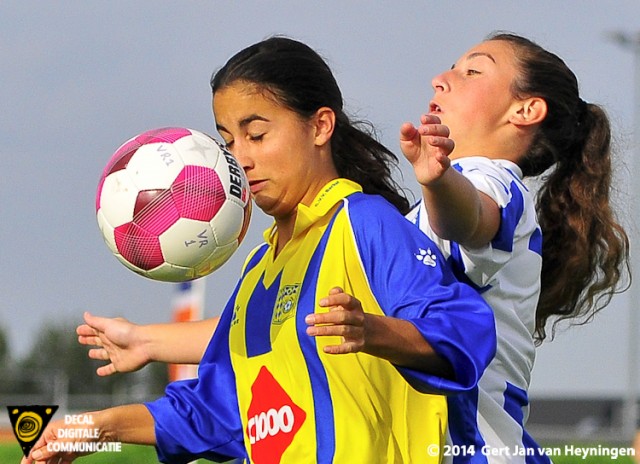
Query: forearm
point(127, 424)
point(453, 205)
point(400, 342)
point(178, 342)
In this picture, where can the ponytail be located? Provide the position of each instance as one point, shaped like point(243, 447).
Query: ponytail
point(585, 251)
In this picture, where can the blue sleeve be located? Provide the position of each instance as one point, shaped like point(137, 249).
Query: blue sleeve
point(199, 417)
point(411, 280)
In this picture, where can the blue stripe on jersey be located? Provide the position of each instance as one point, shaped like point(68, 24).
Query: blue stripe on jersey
point(256, 343)
point(214, 395)
point(463, 427)
point(535, 242)
point(257, 339)
point(457, 265)
point(322, 404)
point(255, 259)
point(517, 179)
point(509, 217)
point(515, 399)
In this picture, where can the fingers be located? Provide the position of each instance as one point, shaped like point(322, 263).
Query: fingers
point(102, 355)
point(338, 330)
point(352, 334)
point(345, 318)
point(85, 330)
point(104, 371)
point(435, 130)
point(91, 340)
point(343, 348)
point(408, 132)
point(429, 119)
point(97, 323)
point(445, 144)
point(99, 353)
point(338, 298)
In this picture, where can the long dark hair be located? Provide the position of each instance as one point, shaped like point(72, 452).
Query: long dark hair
point(302, 81)
point(585, 252)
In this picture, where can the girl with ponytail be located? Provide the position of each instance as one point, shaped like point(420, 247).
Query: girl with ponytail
point(506, 111)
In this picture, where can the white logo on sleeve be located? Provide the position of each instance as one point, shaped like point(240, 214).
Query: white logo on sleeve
point(427, 257)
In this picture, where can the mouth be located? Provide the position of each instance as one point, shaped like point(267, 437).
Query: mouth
point(256, 185)
point(434, 108)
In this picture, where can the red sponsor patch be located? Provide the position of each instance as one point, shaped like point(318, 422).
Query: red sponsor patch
point(273, 419)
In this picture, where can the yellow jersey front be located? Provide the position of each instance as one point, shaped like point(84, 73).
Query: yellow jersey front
point(296, 404)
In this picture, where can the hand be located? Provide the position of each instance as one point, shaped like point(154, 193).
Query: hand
point(427, 148)
point(42, 451)
point(345, 318)
point(118, 342)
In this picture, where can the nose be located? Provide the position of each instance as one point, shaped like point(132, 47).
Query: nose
point(241, 152)
point(440, 83)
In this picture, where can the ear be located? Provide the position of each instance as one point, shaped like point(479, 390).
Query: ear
point(529, 111)
point(324, 122)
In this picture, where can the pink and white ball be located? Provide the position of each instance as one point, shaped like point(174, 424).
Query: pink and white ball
point(173, 204)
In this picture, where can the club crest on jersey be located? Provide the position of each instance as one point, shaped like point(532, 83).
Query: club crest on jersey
point(273, 419)
point(234, 317)
point(285, 303)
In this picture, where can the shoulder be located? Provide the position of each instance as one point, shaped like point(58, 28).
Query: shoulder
point(370, 211)
point(375, 222)
point(499, 179)
point(375, 205)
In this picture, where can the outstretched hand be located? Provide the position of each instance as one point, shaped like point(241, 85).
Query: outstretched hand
point(427, 147)
point(117, 341)
point(44, 450)
point(345, 318)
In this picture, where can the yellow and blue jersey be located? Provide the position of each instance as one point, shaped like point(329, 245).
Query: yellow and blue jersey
point(266, 390)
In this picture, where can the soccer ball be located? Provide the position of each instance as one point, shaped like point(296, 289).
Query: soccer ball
point(173, 204)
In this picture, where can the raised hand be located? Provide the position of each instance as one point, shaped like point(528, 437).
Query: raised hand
point(427, 147)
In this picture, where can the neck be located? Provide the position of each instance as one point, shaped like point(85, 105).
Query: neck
point(284, 229)
point(510, 143)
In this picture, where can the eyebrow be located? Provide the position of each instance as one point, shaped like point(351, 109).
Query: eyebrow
point(477, 54)
point(244, 122)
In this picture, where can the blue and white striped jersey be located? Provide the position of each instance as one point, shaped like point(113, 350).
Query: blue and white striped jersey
point(507, 274)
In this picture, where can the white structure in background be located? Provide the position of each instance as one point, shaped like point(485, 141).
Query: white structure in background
point(188, 305)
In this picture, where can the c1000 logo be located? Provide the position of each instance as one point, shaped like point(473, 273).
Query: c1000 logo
point(273, 419)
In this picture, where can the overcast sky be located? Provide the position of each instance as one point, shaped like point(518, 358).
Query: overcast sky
point(78, 78)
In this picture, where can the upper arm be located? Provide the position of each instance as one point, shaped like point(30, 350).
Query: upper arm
point(488, 223)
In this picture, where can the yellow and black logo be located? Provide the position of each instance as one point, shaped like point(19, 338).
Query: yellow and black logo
point(28, 423)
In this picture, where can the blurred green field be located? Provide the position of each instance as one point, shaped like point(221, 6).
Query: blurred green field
point(11, 454)
point(131, 454)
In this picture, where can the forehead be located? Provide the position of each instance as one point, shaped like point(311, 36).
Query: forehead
point(500, 52)
point(233, 103)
